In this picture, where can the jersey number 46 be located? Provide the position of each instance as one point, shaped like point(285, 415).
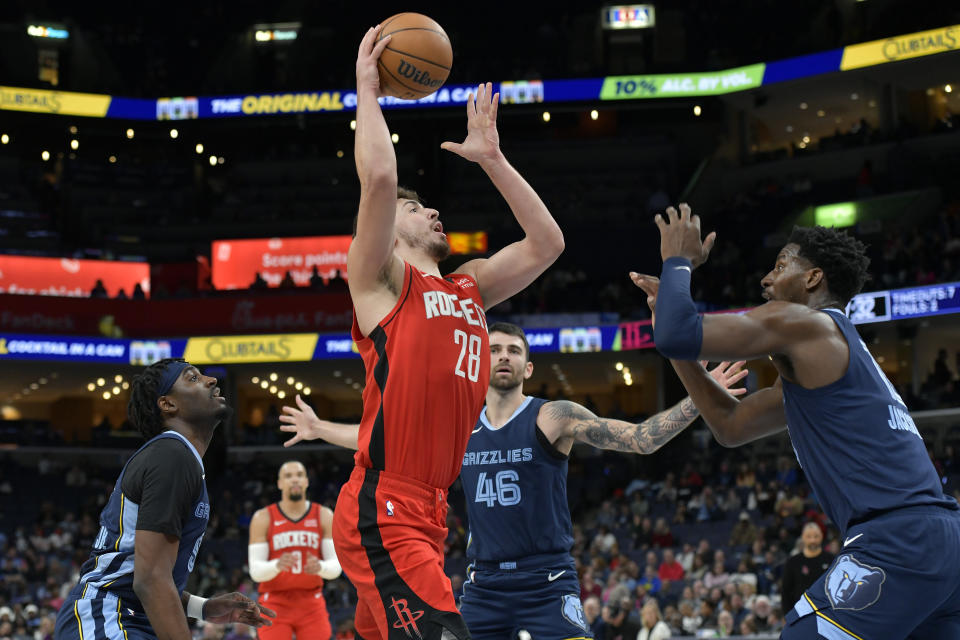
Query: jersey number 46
point(507, 492)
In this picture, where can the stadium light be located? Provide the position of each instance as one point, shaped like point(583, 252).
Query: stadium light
point(290, 380)
point(281, 394)
point(112, 159)
point(353, 125)
point(395, 138)
point(546, 116)
point(106, 395)
point(697, 110)
point(47, 31)
point(174, 133)
point(4, 139)
point(306, 391)
point(118, 378)
point(91, 386)
point(45, 155)
point(213, 161)
point(73, 129)
point(947, 88)
point(273, 377)
point(130, 134)
point(199, 148)
point(74, 144)
point(264, 384)
point(101, 382)
point(594, 114)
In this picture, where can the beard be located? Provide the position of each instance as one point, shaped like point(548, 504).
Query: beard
point(436, 248)
point(296, 497)
point(506, 383)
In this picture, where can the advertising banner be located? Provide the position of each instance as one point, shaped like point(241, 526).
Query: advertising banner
point(682, 85)
point(295, 313)
point(71, 278)
point(911, 45)
point(297, 347)
point(236, 263)
point(67, 103)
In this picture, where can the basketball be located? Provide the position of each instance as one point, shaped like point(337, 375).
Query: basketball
point(417, 61)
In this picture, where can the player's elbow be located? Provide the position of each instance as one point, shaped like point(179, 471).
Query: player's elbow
point(330, 569)
point(673, 343)
point(378, 177)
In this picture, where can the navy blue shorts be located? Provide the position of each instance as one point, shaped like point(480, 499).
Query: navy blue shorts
point(542, 597)
point(896, 577)
point(100, 619)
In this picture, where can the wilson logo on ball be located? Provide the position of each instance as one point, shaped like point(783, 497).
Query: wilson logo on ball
point(422, 77)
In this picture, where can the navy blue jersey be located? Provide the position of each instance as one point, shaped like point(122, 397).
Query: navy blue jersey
point(515, 484)
point(857, 443)
point(183, 512)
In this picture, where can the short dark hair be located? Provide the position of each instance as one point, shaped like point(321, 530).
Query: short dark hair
point(142, 409)
point(403, 193)
point(842, 258)
point(511, 330)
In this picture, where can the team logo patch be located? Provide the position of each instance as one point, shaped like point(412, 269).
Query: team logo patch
point(406, 619)
point(573, 611)
point(853, 585)
point(389, 508)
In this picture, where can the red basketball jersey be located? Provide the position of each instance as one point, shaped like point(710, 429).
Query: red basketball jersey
point(301, 538)
point(427, 370)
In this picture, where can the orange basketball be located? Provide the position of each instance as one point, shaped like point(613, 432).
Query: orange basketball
point(417, 61)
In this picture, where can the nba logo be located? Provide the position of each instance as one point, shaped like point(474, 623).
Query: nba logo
point(389, 508)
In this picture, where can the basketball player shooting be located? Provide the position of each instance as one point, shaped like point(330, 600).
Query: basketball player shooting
point(423, 340)
point(898, 573)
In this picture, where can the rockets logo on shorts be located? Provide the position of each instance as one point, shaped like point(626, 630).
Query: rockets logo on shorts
point(406, 619)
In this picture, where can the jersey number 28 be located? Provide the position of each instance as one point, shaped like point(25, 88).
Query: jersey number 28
point(468, 343)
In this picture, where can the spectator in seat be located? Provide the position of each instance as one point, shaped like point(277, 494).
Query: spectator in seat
point(670, 569)
point(661, 534)
point(653, 627)
point(744, 532)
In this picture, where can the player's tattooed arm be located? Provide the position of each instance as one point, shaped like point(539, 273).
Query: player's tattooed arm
point(573, 422)
point(605, 433)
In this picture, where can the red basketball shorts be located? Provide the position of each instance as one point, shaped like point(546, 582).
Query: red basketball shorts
point(298, 611)
point(389, 532)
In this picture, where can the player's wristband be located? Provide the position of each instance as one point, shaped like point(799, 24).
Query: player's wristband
point(195, 607)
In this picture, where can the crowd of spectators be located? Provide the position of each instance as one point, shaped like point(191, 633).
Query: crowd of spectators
point(696, 550)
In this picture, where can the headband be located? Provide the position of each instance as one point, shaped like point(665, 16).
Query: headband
point(170, 375)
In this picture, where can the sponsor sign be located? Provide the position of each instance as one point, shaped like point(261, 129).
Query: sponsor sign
point(71, 278)
point(905, 47)
point(682, 85)
point(236, 263)
point(294, 347)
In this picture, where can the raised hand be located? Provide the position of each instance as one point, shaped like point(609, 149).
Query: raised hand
point(367, 57)
point(301, 421)
point(236, 607)
point(482, 141)
point(728, 374)
point(680, 236)
point(650, 286)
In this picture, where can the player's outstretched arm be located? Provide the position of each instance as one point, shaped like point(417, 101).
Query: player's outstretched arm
point(732, 422)
point(682, 334)
point(305, 425)
point(371, 251)
point(514, 267)
point(565, 422)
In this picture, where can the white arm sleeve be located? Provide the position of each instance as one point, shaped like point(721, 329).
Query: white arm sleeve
point(329, 566)
point(261, 569)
